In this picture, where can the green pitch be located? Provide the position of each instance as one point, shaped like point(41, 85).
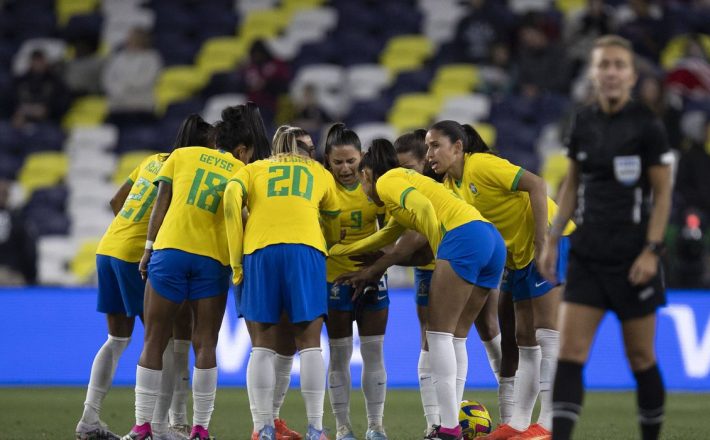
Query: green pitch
point(52, 413)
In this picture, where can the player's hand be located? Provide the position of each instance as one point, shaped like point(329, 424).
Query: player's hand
point(367, 259)
point(358, 280)
point(546, 261)
point(644, 268)
point(143, 265)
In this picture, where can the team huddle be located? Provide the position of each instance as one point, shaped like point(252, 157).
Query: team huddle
point(307, 243)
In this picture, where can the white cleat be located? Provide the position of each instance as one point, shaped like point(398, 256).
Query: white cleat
point(94, 431)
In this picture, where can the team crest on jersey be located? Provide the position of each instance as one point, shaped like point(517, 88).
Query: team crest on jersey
point(473, 188)
point(627, 169)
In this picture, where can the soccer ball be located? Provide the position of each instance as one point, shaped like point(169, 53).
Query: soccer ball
point(474, 420)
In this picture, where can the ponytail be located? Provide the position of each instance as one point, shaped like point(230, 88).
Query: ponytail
point(194, 131)
point(339, 134)
point(380, 158)
point(469, 137)
point(242, 125)
point(285, 142)
point(412, 142)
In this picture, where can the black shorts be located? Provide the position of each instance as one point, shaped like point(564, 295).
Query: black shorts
point(606, 286)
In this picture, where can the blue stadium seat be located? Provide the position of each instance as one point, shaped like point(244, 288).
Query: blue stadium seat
point(176, 47)
point(42, 137)
point(356, 48)
point(411, 81)
point(368, 111)
point(225, 82)
point(53, 197)
point(183, 108)
point(10, 164)
point(48, 221)
point(138, 137)
point(83, 26)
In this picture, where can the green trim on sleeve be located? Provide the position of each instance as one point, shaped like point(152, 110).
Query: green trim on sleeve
point(516, 180)
point(330, 213)
point(130, 181)
point(244, 188)
point(404, 195)
point(165, 179)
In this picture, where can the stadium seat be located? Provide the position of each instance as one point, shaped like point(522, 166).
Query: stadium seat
point(416, 102)
point(214, 106)
point(487, 132)
point(89, 222)
point(554, 170)
point(52, 198)
point(86, 111)
point(220, 54)
point(366, 81)
point(83, 265)
point(298, 5)
point(369, 131)
point(44, 136)
point(569, 7)
point(53, 48)
point(323, 19)
point(65, 9)
point(465, 75)
point(467, 108)
point(522, 7)
point(99, 137)
point(406, 52)
point(127, 163)
point(96, 163)
point(329, 81)
point(43, 169)
point(440, 22)
point(244, 7)
point(54, 254)
point(266, 23)
point(177, 83)
point(676, 46)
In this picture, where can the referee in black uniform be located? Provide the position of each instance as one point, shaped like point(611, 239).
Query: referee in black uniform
point(619, 188)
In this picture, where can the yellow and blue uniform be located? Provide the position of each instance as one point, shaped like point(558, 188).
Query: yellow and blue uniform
point(490, 184)
point(358, 218)
point(456, 231)
point(121, 247)
point(190, 258)
point(422, 283)
point(280, 254)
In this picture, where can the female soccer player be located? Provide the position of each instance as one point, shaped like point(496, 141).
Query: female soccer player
point(186, 258)
point(358, 219)
point(282, 251)
point(470, 255)
point(120, 286)
point(619, 182)
point(516, 202)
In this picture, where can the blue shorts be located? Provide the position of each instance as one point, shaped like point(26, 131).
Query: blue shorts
point(121, 288)
point(238, 298)
point(178, 275)
point(284, 277)
point(422, 283)
point(527, 283)
point(340, 297)
point(476, 252)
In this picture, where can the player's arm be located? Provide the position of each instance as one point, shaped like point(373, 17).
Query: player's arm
point(424, 216)
point(535, 186)
point(233, 221)
point(376, 241)
point(412, 249)
point(329, 209)
point(160, 208)
point(120, 197)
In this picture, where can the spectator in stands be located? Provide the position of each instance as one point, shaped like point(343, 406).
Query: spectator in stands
point(39, 94)
point(309, 114)
point(17, 244)
point(265, 77)
point(652, 93)
point(129, 79)
point(584, 27)
point(83, 73)
point(691, 74)
point(542, 63)
point(692, 186)
point(487, 22)
point(641, 22)
point(497, 76)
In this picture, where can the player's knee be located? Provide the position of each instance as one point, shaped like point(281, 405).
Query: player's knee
point(574, 351)
point(524, 337)
point(640, 358)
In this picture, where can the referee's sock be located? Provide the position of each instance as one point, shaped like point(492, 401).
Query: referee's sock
point(567, 396)
point(650, 397)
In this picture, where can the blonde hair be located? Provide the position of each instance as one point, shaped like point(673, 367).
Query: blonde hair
point(285, 141)
point(612, 40)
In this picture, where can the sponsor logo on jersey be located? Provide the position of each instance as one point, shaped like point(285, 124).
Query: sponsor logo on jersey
point(627, 169)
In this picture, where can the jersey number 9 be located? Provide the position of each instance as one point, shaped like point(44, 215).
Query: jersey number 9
point(207, 198)
point(288, 180)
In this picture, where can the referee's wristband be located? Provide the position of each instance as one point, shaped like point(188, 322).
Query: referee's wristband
point(149, 244)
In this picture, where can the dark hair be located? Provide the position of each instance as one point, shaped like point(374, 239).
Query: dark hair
point(299, 132)
point(469, 137)
point(412, 142)
point(380, 158)
point(242, 125)
point(193, 131)
point(339, 134)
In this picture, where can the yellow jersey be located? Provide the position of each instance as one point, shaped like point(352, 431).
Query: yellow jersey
point(490, 184)
point(125, 237)
point(195, 219)
point(358, 218)
point(290, 198)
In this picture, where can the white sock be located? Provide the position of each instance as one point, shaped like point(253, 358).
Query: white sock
point(506, 400)
point(461, 366)
point(313, 385)
point(167, 383)
point(250, 391)
point(147, 389)
point(282, 368)
point(374, 379)
point(102, 371)
point(204, 390)
point(178, 406)
point(261, 379)
point(527, 386)
point(442, 359)
point(427, 390)
point(339, 381)
point(495, 354)
point(549, 341)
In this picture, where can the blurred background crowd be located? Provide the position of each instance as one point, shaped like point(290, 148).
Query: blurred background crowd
point(90, 87)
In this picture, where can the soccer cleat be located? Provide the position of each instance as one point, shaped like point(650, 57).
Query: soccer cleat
point(200, 433)
point(182, 429)
point(284, 432)
point(94, 431)
point(315, 434)
point(502, 432)
point(440, 433)
point(534, 432)
point(266, 433)
point(169, 435)
point(139, 432)
point(376, 434)
point(344, 432)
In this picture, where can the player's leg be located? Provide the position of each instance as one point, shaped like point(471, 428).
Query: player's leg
point(340, 339)
point(283, 364)
point(261, 376)
point(182, 339)
point(312, 375)
point(509, 355)
point(422, 283)
point(488, 329)
point(639, 341)
point(371, 328)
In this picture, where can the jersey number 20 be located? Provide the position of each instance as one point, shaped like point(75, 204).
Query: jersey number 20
point(288, 180)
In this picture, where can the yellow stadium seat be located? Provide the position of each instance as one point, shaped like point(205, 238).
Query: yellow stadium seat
point(420, 102)
point(43, 169)
point(465, 75)
point(406, 52)
point(86, 112)
point(127, 163)
point(445, 90)
point(220, 54)
point(83, 265)
point(409, 120)
point(177, 83)
point(554, 170)
point(298, 5)
point(263, 23)
point(675, 49)
point(65, 9)
point(487, 132)
point(569, 6)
